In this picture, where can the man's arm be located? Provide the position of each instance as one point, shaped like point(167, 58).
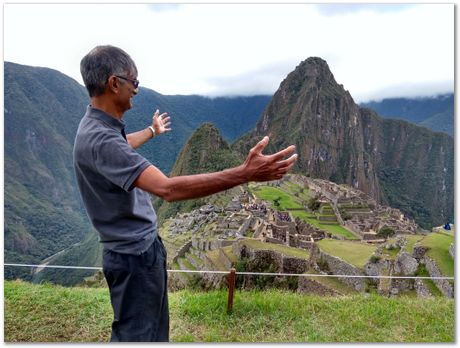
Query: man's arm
point(257, 167)
point(160, 125)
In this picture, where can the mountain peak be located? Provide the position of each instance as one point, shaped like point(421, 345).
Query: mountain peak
point(205, 151)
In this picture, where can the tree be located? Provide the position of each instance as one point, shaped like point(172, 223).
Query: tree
point(313, 204)
point(386, 232)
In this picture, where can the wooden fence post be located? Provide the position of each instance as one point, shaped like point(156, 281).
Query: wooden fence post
point(231, 278)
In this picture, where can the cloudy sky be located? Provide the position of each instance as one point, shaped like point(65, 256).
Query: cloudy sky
point(375, 51)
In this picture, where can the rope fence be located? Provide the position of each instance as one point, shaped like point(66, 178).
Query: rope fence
point(231, 276)
point(242, 273)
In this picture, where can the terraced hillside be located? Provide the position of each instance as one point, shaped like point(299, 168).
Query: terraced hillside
point(270, 228)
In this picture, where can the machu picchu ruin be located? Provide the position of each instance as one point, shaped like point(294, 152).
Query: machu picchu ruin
point(304, 225)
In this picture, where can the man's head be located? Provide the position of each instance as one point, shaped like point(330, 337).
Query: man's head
point(103, 63)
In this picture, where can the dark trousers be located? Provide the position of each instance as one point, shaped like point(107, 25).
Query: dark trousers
point(138, 293)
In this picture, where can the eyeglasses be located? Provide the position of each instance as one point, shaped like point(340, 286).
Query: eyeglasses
point(134, 82)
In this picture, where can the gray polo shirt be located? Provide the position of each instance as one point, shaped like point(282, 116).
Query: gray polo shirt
point(106, 167)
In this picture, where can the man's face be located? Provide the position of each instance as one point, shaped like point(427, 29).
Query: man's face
point(128, 89)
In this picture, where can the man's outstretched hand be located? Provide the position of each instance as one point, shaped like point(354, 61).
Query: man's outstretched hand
point(261, 167)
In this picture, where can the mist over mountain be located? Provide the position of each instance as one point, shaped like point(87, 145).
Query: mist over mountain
point(435, 113)
point(398, 163)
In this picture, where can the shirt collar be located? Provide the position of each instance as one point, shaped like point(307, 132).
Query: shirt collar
point(105, 117)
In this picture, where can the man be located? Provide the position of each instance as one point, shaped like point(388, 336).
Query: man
point(115, 182)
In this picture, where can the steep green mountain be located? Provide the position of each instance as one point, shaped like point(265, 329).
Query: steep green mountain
point(43, 107)
point(398, 163)
point(43, 211)
point(206, 151)
point(435, 113)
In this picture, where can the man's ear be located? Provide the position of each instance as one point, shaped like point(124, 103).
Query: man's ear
point(113, 84)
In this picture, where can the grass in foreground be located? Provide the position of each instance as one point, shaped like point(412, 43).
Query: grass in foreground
point(45, 313)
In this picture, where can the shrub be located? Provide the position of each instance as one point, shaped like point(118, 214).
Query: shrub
point(386, 232)
point(313, 204)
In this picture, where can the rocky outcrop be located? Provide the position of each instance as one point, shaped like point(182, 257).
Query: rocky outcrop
point(405, 264)
point(421, 289)
point(419, 252)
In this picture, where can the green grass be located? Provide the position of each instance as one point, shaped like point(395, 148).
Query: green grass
point(213, 256)
point(268, 193)
point(423, 272)
point(44, 313)
point(228, 250)
point(390, 254)
point(439, 251)
point(287, 201)
point(283, 249)
point(333, 283)
point(411, 240)
point(355, 253)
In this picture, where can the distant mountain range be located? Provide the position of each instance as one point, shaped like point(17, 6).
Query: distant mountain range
point(435, 113)
point(408, 167)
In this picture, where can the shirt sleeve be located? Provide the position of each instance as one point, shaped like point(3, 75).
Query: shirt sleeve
point(117, 161)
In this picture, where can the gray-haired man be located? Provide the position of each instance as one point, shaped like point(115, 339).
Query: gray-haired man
point(115, 182)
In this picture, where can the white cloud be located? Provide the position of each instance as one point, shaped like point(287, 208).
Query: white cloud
point(219, 49)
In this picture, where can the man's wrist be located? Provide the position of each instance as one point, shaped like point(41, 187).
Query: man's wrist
point(240, 174)
point(153, 131)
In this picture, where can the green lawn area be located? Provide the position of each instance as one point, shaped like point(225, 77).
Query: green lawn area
point(355, 253)
point(411, 240)
point(439, 243)
point(269, 194)
point(283, 249)
point(293, 188)
point(46, 313)
point(334, 229)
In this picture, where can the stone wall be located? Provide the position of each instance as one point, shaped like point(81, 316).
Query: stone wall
point(442, 284)
point(182, 250)
point(310, 286)
point(259, 260)
point(338, 266)
point(225, 260)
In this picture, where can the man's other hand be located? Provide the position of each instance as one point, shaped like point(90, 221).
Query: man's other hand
point(160, 122)
point(261, 167)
